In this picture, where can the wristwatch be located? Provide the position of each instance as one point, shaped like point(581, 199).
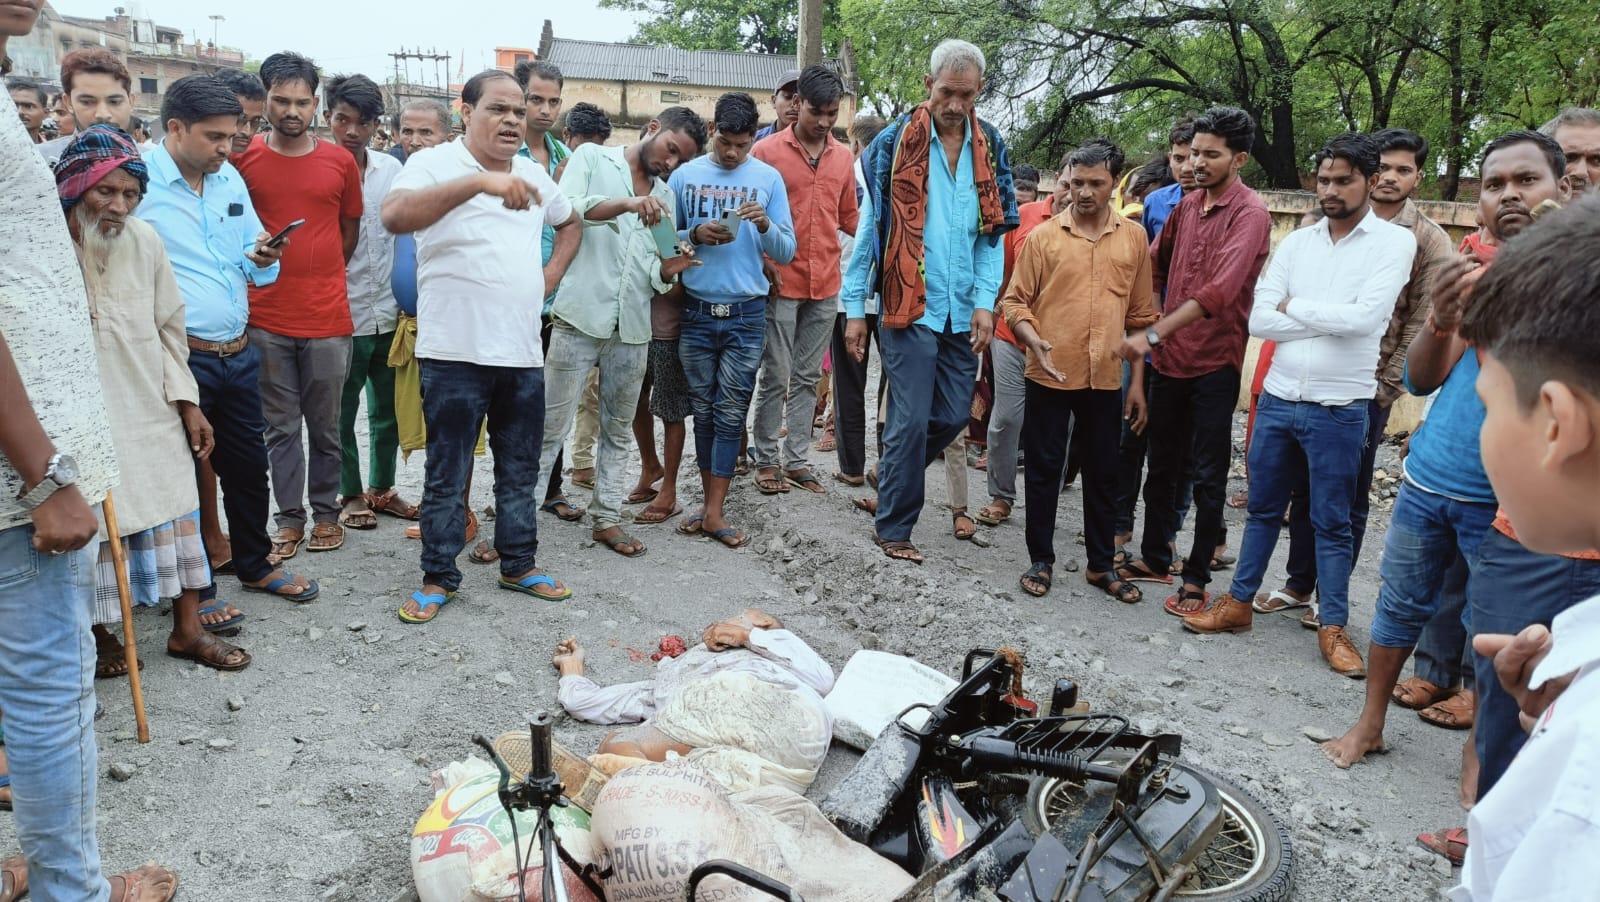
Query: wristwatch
point(60, 472)
point(1152, 337)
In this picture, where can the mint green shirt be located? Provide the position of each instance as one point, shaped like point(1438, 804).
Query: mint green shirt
point(606, 292)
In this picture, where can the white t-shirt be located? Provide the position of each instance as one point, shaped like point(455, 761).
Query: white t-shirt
point(480, 286)
point(1536, 834)
point(44, 315)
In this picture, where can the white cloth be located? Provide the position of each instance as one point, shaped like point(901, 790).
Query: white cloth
point(847, 241)
point(44, 315)
point(1341, 298)
point(372, 307)
point(775, 656)
point(144, 370)
point(479, 284)
point(1536, 834)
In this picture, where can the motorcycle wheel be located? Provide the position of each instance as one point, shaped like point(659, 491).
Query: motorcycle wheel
point(1250, 860)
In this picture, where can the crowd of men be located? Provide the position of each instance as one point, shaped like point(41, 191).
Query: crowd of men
point(246, 281)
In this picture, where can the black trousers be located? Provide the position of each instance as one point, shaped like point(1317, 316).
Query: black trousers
point(1191, 430)
point(850, 399)
point(1054, 419)
point(230, 397)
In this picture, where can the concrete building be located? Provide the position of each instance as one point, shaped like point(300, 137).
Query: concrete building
point(633, 82)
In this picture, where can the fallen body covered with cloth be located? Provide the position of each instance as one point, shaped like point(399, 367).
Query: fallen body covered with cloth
point(745, 705)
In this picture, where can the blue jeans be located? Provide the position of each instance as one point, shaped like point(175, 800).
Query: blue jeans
point(47, 693)
point(1302, 565)
point(1444, 657)
point(1511, 589)
point(1291, 438)
point(720, 358)
point(456, 397)
point(930, 400)
point(1426, 533)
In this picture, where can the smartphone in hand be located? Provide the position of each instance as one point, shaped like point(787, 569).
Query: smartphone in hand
point(283, 234)
point(731, 220)
point(666, 239)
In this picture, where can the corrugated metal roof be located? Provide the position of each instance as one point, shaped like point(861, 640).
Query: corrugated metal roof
point(642, 62)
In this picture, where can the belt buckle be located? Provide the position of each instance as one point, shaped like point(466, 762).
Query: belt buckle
point(722, 311)
point(222, 350)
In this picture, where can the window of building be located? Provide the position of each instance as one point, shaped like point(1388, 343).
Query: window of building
point(148, 86)
point(521, 58)
point(670, 97)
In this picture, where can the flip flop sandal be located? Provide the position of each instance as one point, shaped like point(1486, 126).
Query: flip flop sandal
point(896, 549)
point(1278, 600)
point(108, 669)
point(226, 567)
point(214, 654)
point(1312, 619)
point(1177, 605)
point(644, 497)
point(728, 536)
point(1223, 561)
point(616, 542)
point(1040, 574)
point(805, 479)
point(1417, 693)
point(307, 593)
point(483, 553)
point(1451, 843)
point(654, 514)
point(427, 603)
point(867, 505)
point(133, 884)
point(771, 485)
point(583, 483)
point(528, 585)
point(956, 519)
point(1454, 713)
point(828, 442)
point(323, 532)
point(14, 883)
point(691, 526)
point(554, 505)
point(390, 503)
point(854, 482)
point(357, 520)
point(1136, 571)
point(987, 517)
point(872, 478)
point(1122, 590)
point(227, 627)
point(286, 543)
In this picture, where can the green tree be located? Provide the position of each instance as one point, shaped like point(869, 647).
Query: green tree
point(757, 26)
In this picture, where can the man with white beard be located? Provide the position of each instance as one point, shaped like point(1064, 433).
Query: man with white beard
point(152, 398)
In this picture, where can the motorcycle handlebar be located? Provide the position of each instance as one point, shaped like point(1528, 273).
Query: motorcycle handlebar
point(994, 753)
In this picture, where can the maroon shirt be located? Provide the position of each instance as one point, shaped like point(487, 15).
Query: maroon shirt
point(1212, 257)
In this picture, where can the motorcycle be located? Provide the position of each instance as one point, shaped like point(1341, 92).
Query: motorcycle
point(979, 797)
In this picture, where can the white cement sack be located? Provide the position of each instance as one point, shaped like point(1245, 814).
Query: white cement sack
point(875, 686)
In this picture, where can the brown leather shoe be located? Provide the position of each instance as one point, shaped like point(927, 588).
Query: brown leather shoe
point(1227, 615)
point(1340, 652)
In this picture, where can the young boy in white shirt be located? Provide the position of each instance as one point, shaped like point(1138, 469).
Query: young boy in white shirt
point(1535, 324)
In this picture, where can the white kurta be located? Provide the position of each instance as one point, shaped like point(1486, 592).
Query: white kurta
point(144, 368)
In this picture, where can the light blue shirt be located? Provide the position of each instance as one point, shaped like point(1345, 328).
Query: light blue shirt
point(206, 237)
point(962, 268)
point(731, 273)
point(1445, 458)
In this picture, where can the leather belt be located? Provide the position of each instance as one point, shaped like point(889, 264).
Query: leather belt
point(220, 348)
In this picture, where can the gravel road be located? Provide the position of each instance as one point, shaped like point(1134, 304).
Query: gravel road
point(301, 777)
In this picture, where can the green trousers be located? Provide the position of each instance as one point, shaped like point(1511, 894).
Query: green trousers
point(369, 370)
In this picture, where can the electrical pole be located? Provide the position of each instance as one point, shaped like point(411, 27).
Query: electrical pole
point(809, 47)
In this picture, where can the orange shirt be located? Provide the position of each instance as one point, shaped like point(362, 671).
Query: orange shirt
point(1082, 293)
point(822, 202)
point(1030, 216)
point(1502, 523)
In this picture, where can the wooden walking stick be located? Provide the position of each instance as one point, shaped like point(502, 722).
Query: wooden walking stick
point(125, 595)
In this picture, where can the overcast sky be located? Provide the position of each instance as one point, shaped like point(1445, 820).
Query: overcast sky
point(345, 37)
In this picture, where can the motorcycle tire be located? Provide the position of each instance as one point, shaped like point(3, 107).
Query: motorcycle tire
point(1267, 877)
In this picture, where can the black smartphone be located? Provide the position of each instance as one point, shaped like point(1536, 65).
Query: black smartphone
point(283, 234)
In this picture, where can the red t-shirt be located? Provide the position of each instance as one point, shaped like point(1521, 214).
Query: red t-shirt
point(1030, 217)
point(308, 300)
